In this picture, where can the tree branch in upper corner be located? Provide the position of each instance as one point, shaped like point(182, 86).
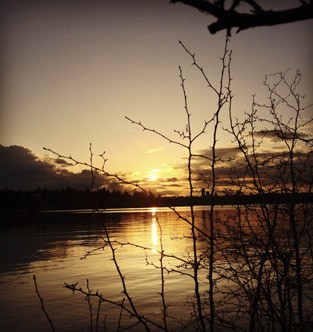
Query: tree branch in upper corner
point(230, 18)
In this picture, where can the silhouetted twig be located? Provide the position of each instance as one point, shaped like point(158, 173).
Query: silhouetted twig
point(42, 304)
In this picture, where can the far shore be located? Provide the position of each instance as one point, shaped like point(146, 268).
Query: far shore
point(29, 205)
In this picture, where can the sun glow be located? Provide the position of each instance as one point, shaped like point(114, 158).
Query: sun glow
point(153, 177)
point(153, 174)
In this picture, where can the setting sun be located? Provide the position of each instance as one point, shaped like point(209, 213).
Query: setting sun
point(153, 174)
point(153, 177)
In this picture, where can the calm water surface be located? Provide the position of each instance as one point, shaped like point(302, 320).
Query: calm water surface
point(52, 249)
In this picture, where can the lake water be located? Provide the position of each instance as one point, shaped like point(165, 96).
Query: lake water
point(52, 249)
point(68, 247)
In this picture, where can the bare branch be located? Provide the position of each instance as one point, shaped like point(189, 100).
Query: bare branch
point(42, 304)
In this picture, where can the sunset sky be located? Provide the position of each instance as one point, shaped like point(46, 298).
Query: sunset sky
point(72, 70)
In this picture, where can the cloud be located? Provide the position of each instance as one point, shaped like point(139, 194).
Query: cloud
point(172, 189)
point(155, 150)
point(21, 169)
point(174, 179)
point(63, 162)
point(273, 166)
point(224, 153)
point(276, 134)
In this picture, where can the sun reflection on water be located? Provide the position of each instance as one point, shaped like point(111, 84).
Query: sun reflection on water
point(154, 230)
point(153, 210)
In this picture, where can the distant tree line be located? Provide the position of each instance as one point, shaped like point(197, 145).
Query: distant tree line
point(43, 199)
point(69, 198)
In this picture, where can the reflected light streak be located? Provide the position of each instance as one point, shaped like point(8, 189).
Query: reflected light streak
point(153, 211)
point(154, 231)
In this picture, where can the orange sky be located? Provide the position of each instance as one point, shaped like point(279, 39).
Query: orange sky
point(72, 70)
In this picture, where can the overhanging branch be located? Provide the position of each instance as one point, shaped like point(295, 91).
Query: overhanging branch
point(230, 18)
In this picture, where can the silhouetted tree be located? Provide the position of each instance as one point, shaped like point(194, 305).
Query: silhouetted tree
point(229, 17)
